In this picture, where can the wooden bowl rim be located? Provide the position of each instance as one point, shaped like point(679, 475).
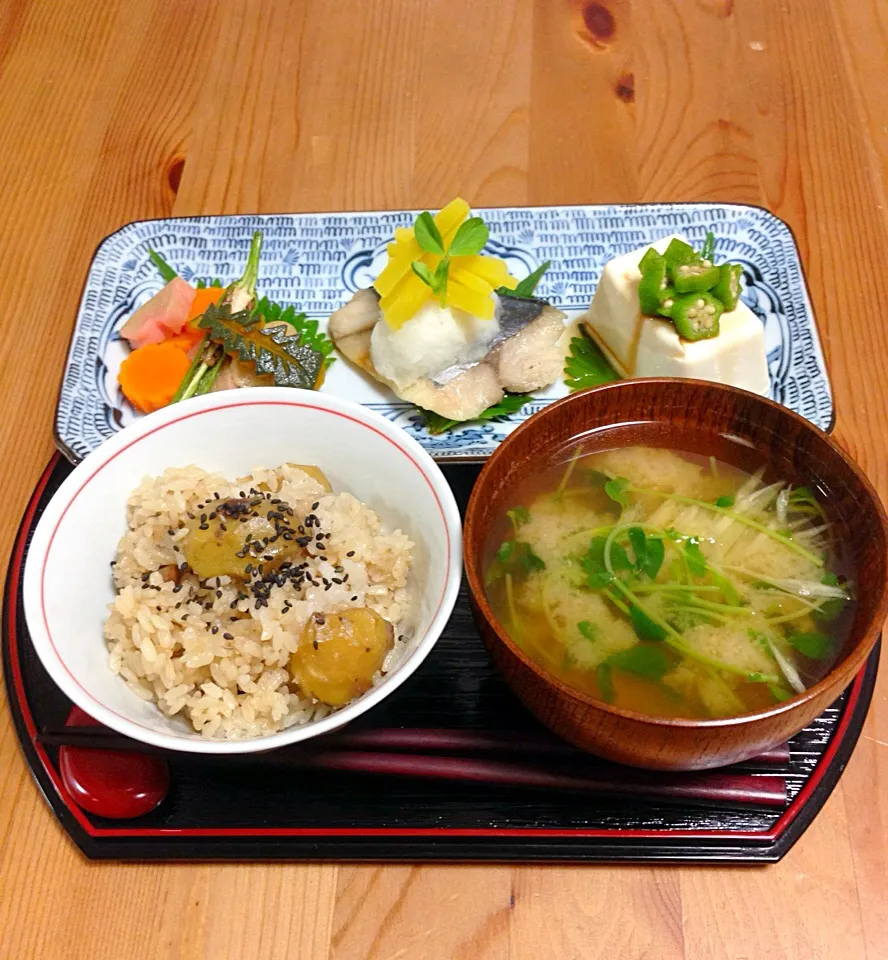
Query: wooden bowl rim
point(472, 534)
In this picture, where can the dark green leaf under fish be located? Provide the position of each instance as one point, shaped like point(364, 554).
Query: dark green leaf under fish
point(511, 403)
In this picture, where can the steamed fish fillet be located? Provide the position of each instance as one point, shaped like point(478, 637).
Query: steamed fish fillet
point(526, 354)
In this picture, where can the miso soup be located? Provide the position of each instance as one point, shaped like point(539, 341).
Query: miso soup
point(670, 584)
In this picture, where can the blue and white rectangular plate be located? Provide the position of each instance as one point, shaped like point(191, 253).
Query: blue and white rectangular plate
point(317, 261)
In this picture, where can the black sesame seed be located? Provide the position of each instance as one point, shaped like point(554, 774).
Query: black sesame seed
point(268, 556)
point(337, 580)
point(228, 636)
point(178, 604)
point(203, 518)
point(315, 644)
point(145, 577)
point(315, 505)
point(355, 597)
point(327, 587)
point(183, 566)
point(243, 494)
point(204, 526)
point(350, 553)
point(177, 588)
point(219, 594)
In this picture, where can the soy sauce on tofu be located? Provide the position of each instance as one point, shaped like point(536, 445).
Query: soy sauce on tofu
point(339, 654)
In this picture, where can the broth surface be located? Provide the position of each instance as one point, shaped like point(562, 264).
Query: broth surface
point(668, 583)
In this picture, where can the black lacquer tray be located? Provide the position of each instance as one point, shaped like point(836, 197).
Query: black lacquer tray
point(219, 809)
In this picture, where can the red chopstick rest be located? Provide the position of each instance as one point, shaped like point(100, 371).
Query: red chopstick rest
point(118, 784)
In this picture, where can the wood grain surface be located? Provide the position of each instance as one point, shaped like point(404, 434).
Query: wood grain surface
point(113, 110)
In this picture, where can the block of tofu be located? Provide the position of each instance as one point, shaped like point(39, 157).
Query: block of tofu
point(640, 346)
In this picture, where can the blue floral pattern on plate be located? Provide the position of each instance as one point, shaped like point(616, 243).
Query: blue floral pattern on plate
point(316, 261)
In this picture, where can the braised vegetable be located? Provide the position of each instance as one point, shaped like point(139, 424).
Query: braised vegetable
point(150, 375)
point(339, 654)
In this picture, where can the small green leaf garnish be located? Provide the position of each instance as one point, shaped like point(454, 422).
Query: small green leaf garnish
point(725, 502)
point(644, 626)
point(592, 564)
point(649, 552)
point(694, 556)
point(505, 551)
point(588, 630)
point(528, 285)
point(470, 239)
point(163, 268)
point(652, 663)
point(619, 558)
point(616, 490)
point(513, 557)
point(586, 366)
point(815, 646)
point(708, 250)
point(426, 275)
point(604, 677)
point(511, 403)
point(518, 516)
point(829, 609)
point(427, 234)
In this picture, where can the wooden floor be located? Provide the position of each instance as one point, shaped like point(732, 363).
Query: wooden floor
point(115, 111)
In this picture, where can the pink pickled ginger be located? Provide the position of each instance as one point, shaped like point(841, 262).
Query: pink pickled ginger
point(164, 315)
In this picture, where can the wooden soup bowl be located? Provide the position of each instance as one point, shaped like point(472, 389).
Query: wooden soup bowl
point(735, 427)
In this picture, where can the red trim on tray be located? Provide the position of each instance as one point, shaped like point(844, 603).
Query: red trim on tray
point(90, 829)
point(189, 416)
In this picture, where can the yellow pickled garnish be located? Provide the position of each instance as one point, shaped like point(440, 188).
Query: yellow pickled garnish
point(444, 262)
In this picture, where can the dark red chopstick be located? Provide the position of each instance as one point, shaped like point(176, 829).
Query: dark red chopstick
point(766, 790)
point(422, 740)
point(331, 754)
point(523, 743)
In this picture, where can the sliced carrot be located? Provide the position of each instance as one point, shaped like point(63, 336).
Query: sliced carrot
point(188, 339)
point(150, 375)
point(202, 299)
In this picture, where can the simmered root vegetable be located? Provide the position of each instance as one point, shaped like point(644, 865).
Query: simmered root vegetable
point(236, 536)
point(339, 654)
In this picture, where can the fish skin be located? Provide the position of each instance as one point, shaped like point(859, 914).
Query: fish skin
point(513, 314)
